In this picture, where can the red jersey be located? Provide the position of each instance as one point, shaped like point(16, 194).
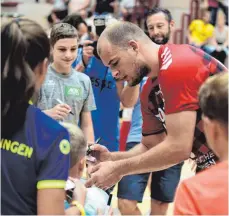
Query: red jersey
point(183, 69)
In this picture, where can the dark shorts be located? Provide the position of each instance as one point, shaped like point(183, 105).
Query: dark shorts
point(163, 185)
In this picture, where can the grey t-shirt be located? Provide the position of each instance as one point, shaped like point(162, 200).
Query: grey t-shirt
point(73, 89)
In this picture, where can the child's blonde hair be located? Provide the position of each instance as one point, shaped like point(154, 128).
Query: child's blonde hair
point(78, 143)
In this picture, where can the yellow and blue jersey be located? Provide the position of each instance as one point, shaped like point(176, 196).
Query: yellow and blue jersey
point(36, 157)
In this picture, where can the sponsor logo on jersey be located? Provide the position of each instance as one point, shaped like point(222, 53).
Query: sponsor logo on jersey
point(73, 91)
point(102, 83)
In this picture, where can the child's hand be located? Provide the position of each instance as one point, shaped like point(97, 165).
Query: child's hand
point(79, 192)
point(59, 112)
point(110, 211)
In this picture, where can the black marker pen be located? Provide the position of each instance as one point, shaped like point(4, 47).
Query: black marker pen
point(60, 102)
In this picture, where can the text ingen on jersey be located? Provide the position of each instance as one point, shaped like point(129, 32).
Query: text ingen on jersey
point(16, 148)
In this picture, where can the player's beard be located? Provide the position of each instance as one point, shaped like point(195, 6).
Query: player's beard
point(165, 39)
point(142, 72)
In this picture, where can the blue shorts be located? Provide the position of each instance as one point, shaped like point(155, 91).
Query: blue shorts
point(163, 185)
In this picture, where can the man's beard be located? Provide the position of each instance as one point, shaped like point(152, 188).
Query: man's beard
point(164, 40)
point(143, 72)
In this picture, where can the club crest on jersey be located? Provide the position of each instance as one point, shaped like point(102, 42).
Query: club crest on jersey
point(166, 57)
point(65, 146)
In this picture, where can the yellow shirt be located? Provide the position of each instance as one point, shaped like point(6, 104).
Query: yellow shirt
point(200, 31)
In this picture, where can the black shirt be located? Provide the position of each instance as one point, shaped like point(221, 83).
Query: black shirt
point(103, 6)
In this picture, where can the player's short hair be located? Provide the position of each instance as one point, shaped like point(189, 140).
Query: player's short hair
point(213, 98)
point(157, 10)
point(61, 31)
point(77, 141)
point(120, 33)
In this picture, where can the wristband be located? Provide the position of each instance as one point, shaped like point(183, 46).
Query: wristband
point(79, 206)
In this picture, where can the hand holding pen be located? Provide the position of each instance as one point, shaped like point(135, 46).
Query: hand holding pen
point(90, 154)
point(89, 151)
point(100, 152)
point(65, 105)
point(58, 112)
